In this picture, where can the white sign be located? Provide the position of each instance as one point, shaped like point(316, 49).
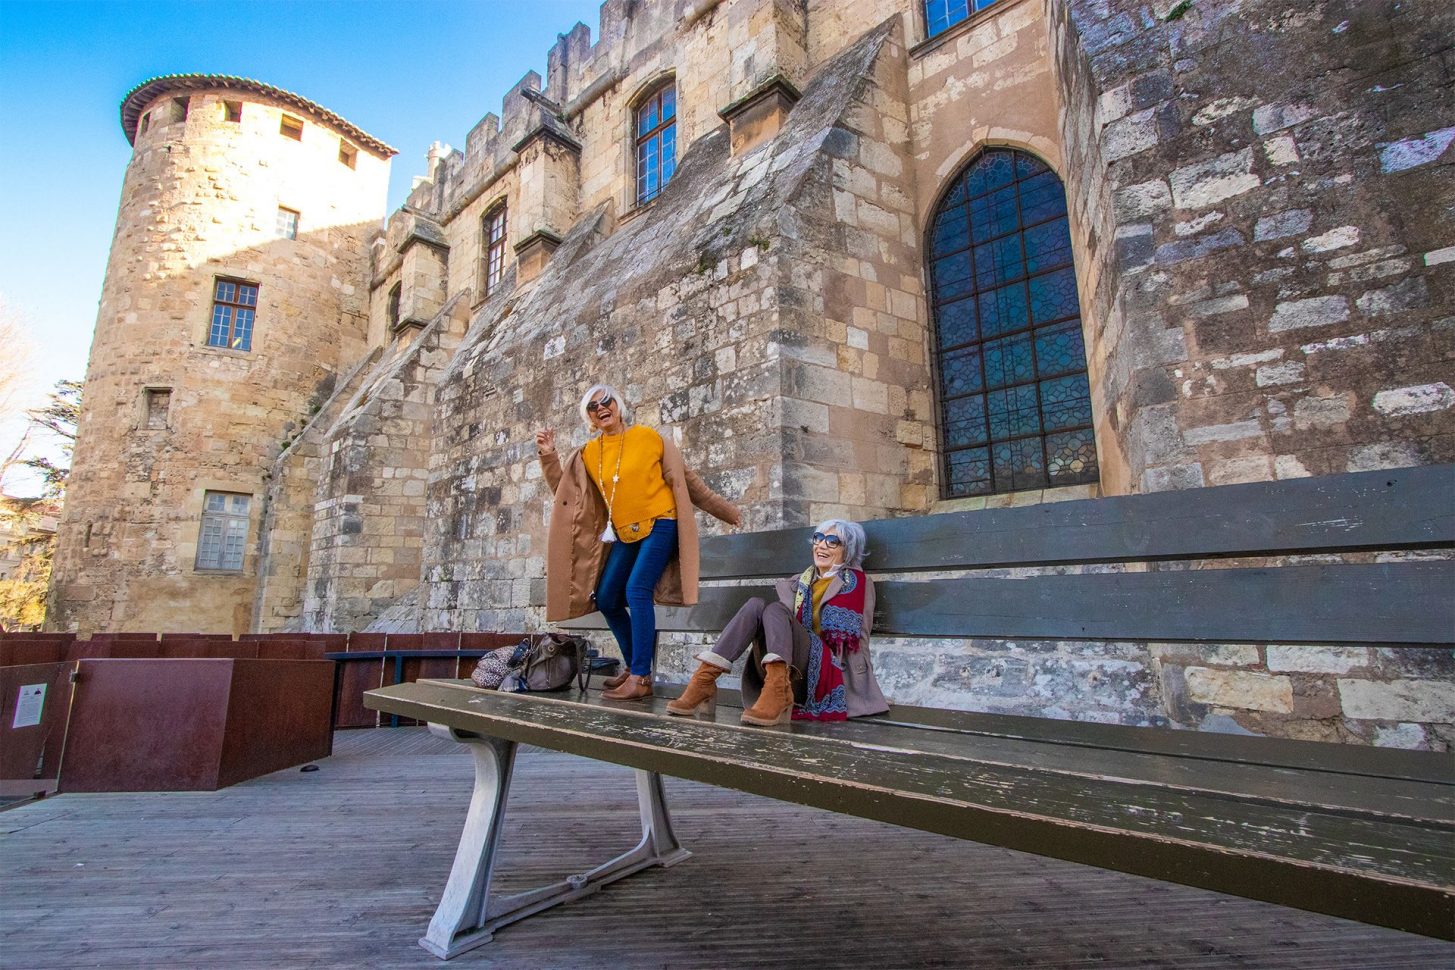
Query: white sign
point(29, 705)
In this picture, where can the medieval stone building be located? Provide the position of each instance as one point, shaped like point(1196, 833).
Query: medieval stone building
point(860, 257)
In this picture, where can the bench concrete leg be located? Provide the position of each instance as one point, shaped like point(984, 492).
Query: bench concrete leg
point(468, 916)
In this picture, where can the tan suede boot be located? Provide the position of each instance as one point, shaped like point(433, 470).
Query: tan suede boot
point(775, 703)
point(634, 688)
point(701, 691)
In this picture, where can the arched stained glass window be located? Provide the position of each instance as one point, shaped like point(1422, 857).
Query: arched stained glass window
point(1015, 406)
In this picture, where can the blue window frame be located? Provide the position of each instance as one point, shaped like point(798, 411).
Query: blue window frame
point(234, 307)
point(656, 142)
point(493, 229)
point(1015, 404)
point(941, 15)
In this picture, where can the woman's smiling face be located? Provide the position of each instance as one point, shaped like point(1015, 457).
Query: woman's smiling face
point(605, 412)
point(828, 549)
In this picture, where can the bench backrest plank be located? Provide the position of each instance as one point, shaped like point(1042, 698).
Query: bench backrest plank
point(1406, 508)
point(1387, 603)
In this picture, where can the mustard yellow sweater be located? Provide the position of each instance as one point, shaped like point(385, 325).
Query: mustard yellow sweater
point(641, 495)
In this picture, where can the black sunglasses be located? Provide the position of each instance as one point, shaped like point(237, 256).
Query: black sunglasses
point(833, 542)
point(593, 406)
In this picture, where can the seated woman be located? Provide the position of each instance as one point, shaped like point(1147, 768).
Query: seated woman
point(819, 629)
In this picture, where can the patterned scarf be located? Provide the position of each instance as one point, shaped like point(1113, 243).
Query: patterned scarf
point(841, 623)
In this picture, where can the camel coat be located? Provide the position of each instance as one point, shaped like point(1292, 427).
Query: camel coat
point(575, 553)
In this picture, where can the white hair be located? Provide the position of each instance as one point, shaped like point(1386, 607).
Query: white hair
point(609, 391)
point(856, 543)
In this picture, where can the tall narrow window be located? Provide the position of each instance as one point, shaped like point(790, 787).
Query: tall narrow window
point(158, 403)
point(234, 306)
point(347, 154)
point(395, 292)
point(232, 111)
point(291, 127)
point(493, 237)
point(146, 121)
point(222, 539)
point(941, 15)
point(180, 107)
point(287, 225)
point(656, 142)
point(1015, 406)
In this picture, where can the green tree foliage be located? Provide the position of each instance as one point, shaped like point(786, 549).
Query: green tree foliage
point(59, 417)
point(27, 525)
point(25, 537)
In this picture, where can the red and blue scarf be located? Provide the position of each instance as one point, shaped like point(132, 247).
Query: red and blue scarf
point(841, 624)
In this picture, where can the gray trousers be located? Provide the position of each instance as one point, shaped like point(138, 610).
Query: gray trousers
point(764, 628)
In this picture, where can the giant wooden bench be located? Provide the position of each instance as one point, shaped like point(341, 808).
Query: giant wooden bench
point(1354, 831)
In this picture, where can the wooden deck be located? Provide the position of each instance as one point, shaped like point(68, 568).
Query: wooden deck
point(341, 868)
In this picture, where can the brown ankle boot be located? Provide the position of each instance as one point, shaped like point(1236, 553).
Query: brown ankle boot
point(634, 688)
point(775, 703)
point(616, 680)
point(701, 691)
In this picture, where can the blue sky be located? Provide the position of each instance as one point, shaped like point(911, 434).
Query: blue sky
point(406, 72)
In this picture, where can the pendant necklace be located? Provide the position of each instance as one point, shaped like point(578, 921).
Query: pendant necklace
point(609, 534)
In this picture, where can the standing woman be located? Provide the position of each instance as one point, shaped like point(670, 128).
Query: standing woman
point(622, 533)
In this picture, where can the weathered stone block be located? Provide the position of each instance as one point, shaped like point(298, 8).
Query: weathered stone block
point(1208, 183)
point(1316, 660)
point(1289, 223)
point(1400, 700)
point(1338, 238)
point(1406, 295)
point(1317, 311)
point(1238, 689)
point(1276, 117)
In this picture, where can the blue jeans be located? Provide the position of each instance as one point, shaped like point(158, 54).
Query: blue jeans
point(624, 593)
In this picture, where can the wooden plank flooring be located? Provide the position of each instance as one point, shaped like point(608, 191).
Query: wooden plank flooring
point(342, 867)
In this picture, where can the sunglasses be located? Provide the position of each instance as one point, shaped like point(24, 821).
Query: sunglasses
point(593, 406)
point(833, 542)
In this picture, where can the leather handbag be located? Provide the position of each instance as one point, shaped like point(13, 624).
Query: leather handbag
point(551, 663)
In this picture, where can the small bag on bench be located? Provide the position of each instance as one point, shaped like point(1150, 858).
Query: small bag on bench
point(496, 665)
point(549, 663)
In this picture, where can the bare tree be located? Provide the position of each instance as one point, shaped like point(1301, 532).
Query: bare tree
point(16, 350)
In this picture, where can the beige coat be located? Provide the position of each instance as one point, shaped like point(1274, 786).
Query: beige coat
point(575, 553)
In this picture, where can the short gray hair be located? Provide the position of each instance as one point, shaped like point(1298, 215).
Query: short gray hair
point(856, 543)
point(592, 391)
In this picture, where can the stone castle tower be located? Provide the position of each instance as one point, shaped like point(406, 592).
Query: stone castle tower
point(232, 297)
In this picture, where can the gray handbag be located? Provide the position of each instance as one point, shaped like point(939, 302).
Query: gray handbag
point(552, 662)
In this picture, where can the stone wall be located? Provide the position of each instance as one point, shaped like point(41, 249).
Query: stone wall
point(710, 315)
point(286, 526)
point(1264, 204)
point(369, 507)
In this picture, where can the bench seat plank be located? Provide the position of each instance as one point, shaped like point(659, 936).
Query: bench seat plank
point(1355, 861)
point(1349, 759)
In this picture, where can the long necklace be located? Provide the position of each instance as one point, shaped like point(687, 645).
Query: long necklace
point(609, 534)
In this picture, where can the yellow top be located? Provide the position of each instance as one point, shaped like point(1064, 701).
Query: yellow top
point(820, 587)
point(642, 495)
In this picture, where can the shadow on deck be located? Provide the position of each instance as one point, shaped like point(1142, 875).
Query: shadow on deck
point(342, 867)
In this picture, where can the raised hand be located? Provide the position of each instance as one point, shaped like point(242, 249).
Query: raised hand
point(546, 441)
